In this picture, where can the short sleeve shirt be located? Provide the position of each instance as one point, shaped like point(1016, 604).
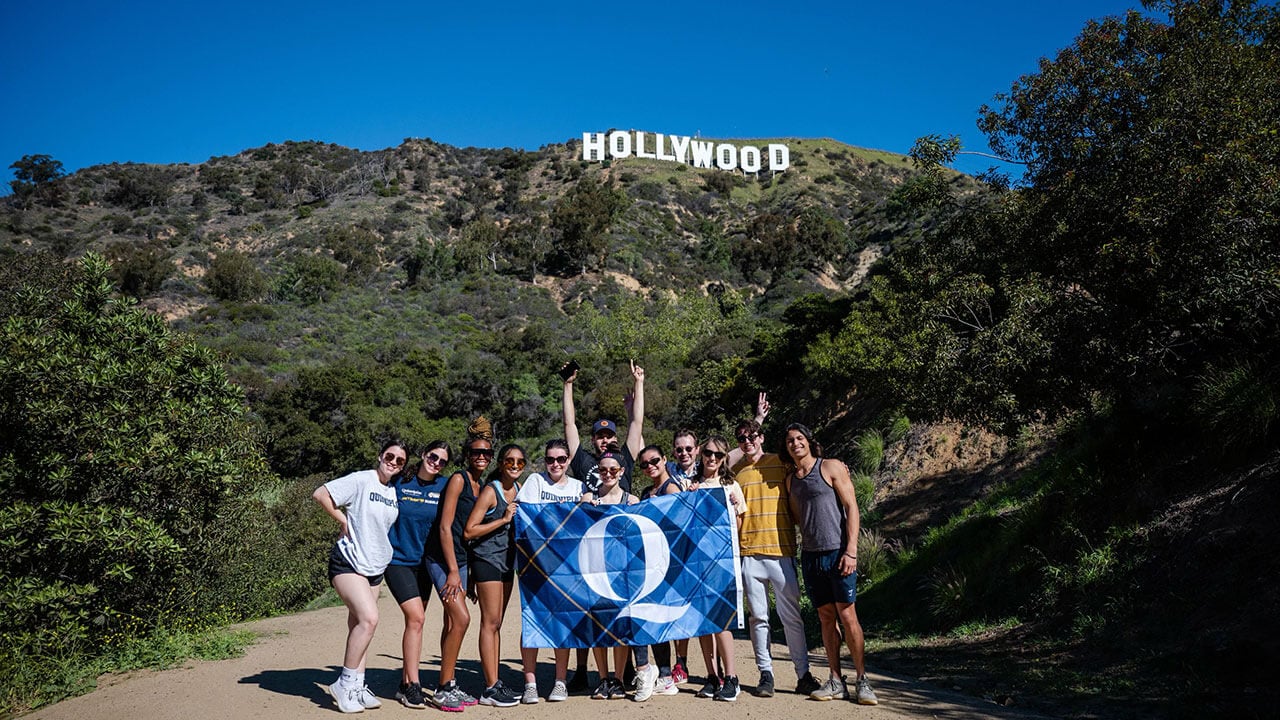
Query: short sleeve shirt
point(585, 466)
point(767, 528)
point(371, 511)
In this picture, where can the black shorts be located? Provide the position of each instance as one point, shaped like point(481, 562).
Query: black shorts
point(484, 571)
point(406, 582)
point(338, 565)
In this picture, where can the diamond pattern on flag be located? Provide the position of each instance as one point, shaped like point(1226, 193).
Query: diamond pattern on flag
point(598, 576)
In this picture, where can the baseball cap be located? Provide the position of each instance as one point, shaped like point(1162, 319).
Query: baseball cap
point(603, 424)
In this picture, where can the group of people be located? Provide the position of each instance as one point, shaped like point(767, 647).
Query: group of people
point(424, 530)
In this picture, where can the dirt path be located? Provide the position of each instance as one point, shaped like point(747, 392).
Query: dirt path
point(281, 677)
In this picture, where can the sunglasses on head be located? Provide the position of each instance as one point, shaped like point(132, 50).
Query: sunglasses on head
point(435, 459)
point(713, 454)
point(557, 459)
point(514, 462)
point(480, 452)
point(393, 460)
point(652, 462)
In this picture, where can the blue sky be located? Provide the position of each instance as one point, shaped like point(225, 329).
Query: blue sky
point(166, 82)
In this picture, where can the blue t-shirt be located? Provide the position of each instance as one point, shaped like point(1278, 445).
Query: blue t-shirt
point(419, 506)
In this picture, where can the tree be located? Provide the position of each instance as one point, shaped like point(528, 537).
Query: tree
point(126, 451)
point(1140, 247)
point(36, 178)
point(583, 218)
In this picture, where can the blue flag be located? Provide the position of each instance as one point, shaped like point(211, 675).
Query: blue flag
point(598, 576)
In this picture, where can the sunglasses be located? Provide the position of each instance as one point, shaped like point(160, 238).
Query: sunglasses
point(747, 438)
point(650, 463)
point(557, 459)
point(393, 460)
point(610, 472)
point(434, 459)
point(713, 454)
point(684, 450)
point(480, 452)
point(513, 462)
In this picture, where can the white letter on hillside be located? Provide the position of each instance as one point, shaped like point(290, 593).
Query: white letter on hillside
point(593, 147)
point(680, 146)
point(702, 152)
point(640, 153)
point(749, 158)
point(726, 156)
point(620, 144)
point(660, 148)
point(779, 157)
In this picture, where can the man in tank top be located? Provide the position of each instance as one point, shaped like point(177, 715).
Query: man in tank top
point(825, 508)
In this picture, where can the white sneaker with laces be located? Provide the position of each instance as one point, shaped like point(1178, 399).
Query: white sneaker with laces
point(559, 693)
point(530, 696)
point(865, 695)
point(368, 699)
point(645, 680)
point(348, 698)
point(666, 686)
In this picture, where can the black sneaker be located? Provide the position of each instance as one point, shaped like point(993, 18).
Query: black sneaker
point(499, 696)
point(711, 688)
point(578, 681)
point(410, 696)
point(729, 689)
point(617, 691)
point(764, 688)
point(603, 689)
point(807, 684)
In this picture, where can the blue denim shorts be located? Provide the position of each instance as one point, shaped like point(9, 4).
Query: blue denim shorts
point(439, 573)
point(823, 582)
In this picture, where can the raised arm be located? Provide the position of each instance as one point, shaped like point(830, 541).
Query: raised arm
point(635, 424)
point(570, 416)
point(843, 485)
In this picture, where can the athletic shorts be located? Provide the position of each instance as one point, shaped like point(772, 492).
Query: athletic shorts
point(823, 582)
point(485, 571)
point(406, 582)
point(338, 565)
point(440, 574)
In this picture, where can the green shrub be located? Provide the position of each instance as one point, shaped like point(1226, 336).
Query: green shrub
point(869, 447)
point(140, 268)
point(234, 276)
point(308, 279)
point(1239, 403)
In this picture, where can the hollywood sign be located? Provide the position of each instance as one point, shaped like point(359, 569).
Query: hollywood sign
point(619, 144)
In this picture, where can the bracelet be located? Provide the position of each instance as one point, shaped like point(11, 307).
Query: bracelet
point(855, 557)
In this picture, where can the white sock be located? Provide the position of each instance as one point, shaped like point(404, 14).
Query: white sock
point(348, 678)
point(359, 679)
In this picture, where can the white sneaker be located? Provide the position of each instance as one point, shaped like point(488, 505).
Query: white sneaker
point(348, 698)
point(530, 696)
point(559, 693)
point(666, 686)
point(645, 680)
point(866, 696)
point(368, 699)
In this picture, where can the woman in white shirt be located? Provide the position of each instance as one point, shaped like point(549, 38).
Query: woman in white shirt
point(364, 504)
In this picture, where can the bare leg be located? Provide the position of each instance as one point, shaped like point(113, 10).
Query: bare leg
point(414, 610)
point(457, 618)
point(831, 637)
point(853, 635)
point(362, 616)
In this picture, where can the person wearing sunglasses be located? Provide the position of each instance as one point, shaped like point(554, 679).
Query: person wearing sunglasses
point(365, 507)
point(490, 530)
point(684, 468)
point(449, 563)
point(550, 486)
point(610, 492)
point(656, 678)
point(418, 492)
point(768, 548)
point(584, 461)
point(715, 473)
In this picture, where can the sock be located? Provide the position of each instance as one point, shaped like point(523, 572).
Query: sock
point(359, 679)
point(348, 677)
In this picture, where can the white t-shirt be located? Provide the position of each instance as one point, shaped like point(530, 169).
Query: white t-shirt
point(371, 511)
point(539, 489)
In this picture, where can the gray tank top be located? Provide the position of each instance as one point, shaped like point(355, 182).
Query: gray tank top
point(822, 520)
point(496, 548)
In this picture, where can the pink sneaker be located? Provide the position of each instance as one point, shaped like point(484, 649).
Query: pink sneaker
point(679, 675)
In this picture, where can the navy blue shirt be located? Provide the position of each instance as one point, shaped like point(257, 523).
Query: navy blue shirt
point(419, 507)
